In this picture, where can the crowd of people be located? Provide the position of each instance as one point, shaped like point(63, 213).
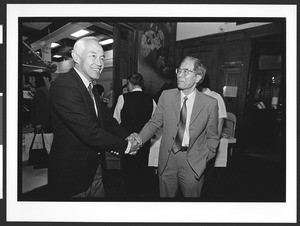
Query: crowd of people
point(190, 116)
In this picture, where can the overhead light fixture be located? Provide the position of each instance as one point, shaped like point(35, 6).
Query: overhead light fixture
point(54, 44)
point(57, 56)
point(106, 42)
point(80, 33)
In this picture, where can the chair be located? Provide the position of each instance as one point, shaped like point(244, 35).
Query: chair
point(228, 130)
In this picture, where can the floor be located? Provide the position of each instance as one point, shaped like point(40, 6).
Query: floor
point(248, 178)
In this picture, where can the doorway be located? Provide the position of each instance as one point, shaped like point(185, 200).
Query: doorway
point(265, 101)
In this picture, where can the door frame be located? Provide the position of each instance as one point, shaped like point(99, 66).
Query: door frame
point(121, 31)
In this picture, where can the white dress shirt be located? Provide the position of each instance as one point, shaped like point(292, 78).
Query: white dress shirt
point(86, 82)
point(189, 107)
point(222, 108)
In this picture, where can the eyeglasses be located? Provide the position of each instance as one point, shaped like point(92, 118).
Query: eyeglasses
point(184, 72)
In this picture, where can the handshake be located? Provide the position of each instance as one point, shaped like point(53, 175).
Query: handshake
point(136, 143)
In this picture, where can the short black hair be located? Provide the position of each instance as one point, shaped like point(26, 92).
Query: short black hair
point(136, 79)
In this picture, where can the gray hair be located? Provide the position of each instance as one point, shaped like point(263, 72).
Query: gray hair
point(79, 45)
point(199, 67)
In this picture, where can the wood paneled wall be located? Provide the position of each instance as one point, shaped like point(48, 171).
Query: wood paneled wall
point(227, 57)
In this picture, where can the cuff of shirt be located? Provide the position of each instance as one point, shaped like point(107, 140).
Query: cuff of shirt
point(128, 148)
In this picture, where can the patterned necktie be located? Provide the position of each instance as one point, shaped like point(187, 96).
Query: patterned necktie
point(181, 127)
point(90, 89)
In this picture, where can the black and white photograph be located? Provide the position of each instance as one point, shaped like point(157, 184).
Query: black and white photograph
point(147, 113)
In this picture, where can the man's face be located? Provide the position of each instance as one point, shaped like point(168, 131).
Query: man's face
point(91, 61)
point(31, 80)
point(189, 80)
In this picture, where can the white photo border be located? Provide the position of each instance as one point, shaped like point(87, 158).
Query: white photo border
point(150, 211)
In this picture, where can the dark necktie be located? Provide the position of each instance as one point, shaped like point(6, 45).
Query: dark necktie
point(90, 89)
point(92, 96)
point(181, 127)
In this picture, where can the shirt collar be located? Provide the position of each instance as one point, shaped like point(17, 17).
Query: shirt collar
point(190, 96)
point(84, 79)
point(207, 90)
point(137, 89)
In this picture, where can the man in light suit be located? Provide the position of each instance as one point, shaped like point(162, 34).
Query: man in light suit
point(190, 138)
point(83, 127)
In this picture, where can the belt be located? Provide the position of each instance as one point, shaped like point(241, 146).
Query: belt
point(183, 149)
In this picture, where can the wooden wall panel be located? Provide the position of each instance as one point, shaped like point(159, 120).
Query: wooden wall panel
point(227, 57)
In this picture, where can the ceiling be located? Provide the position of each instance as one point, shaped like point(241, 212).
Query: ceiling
point(37, 36)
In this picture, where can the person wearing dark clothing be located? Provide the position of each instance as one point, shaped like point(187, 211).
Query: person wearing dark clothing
point(101, 92)
point(41, 114)
point(82, 127)
point(132, 111)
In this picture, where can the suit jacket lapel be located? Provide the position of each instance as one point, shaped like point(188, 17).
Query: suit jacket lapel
point(198, 105)
point(84, 91)
point(197, 108)
point(177, 104)
point(97, 100)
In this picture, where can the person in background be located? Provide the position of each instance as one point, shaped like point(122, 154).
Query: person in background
point(82, 127)
point(29, 89)
point(204, 87)
point(30, 80)
point(109, 98)
point(210, 171)
point(101, 92)
point(125, 89)
point(190, 137)
point(132, 111)
point(41, 114)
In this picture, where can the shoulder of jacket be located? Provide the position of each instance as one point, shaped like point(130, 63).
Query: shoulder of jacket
point(170, 91)
point(207, 98)
point(65, 78)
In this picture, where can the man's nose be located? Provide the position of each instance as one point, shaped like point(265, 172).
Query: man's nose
point(99, 61)
point(180, 74)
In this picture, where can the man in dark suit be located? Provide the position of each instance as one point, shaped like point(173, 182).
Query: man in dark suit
point(82, 127)
point(190, 138)
point(133, 110)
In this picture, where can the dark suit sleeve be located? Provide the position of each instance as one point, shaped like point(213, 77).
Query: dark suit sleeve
point(111, 124)
point(70, 104)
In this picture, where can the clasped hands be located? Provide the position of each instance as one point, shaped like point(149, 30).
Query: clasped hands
point(136, 143)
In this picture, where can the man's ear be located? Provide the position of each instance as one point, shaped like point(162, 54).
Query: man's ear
point(199, 78)
point(75, 57)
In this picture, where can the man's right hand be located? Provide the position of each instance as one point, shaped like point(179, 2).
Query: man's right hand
point(136, 143)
